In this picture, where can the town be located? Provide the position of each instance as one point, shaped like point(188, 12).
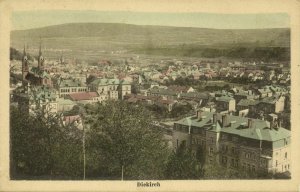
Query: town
point(237, 112)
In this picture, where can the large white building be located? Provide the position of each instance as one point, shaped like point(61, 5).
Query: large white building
point(111, 88)
point(236, 142)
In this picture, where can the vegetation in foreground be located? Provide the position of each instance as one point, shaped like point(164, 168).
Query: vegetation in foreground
point(119, 140)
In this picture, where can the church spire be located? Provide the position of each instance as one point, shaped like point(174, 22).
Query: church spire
point(40, 50)
point(40, 58)
point(25, 67)
point(24, 51)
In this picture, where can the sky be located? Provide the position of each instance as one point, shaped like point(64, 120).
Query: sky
point(35, 19)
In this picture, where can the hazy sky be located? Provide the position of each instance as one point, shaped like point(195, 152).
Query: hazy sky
point(34, 19)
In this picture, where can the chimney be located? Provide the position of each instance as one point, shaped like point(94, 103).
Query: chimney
point(271, 125)
point(214, 118)
point(199, 114)
point(225, 120)
point(279, 123)
point(250, 123)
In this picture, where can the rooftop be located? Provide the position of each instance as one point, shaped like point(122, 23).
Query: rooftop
point(260, 129)
point(83, 96)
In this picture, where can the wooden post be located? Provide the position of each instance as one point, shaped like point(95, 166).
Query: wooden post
point(122, 172)
point(83, 148)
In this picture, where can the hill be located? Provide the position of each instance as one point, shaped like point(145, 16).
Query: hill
point(137, 38)
point(157, 34)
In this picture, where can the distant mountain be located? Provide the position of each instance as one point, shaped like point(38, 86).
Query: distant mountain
point(157, 35)
point(90, 40)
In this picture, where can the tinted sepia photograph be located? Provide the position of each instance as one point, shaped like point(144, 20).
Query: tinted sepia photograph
point(125, 95)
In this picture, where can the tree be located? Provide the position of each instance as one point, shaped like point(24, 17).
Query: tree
point(123, 142)
point(180, 109)
point(159, 111)
point(42, 148)
point(183, 164)
point(216, 171)
point(90, 79)
point(135, 88)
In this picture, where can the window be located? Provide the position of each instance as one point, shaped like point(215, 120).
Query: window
point(232, 163)
point(211, 150)
point(247, 155)
point(276, 163)
point(194, 141)
point(224, 160)
point(235, 139)
point(199, 141)
point(224, 137)
point(253, 168)
point(285, 156)
point(203, 143)
point(236, 163)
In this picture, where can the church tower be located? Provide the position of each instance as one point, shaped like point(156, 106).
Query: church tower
point(40, 59)
point(25, 67)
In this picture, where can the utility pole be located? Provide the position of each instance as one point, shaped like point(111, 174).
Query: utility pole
point(83, 149)
point(122, 172)
point(83, 143)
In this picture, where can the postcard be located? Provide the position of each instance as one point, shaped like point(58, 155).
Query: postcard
point(150, 95)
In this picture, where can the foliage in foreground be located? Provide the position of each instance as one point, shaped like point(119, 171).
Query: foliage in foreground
point(120, 140)
point(121, 135)
point(42, 147)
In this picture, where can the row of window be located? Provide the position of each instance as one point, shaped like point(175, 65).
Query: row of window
point(233, 162)
point(250, 155)
point(248, 167)
point(226, 137)
point(233, 150)
point(198, 130)
point(196, 141)
point(181, 128)
point(73, 90)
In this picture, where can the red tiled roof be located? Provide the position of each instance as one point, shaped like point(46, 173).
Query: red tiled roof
point(83, 96)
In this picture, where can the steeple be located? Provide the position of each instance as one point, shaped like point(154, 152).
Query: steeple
point(25, 67)
point(40, 49)
point(40, 58)
point(24, 51)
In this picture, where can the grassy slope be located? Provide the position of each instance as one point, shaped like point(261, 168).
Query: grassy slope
point(161, 40)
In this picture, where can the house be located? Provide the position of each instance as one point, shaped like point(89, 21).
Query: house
point(245, 105)
point(225, 103)
point(241, 94)
point(264, 92)
point(111, 88)
point(69, 86)
point(200, 98)
point(236, 142)
point(274, 104)
point(37, 97)
point(181, 89)
point(162, 92)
